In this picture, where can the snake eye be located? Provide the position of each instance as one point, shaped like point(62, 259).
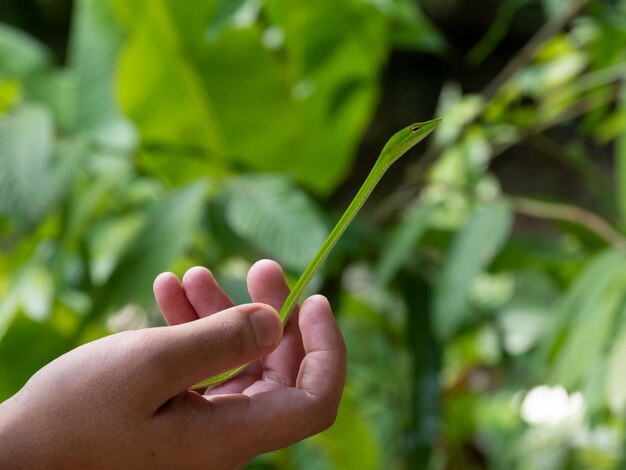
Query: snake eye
point(415, 129)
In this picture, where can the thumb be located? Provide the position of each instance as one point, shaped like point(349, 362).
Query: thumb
point(180, 356)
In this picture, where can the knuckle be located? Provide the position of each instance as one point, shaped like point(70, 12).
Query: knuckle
point(120, 358)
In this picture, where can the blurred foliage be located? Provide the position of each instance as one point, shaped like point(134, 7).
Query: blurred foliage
point(482, 297)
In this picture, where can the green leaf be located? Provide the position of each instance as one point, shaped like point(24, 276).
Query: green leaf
point(228, 13)
point(589, 332)
point(20, 55)
point(523, 320)
point(556, 8)
point(594, 386)
point(616, 376)
point(176, 166)
point(168, 231)
point(95, 44)
point(10, 94)
point(185, 110)
point(411, 29)
point(28, 62)
point(334, 59)
point(620, 166)
point(472, 250)
point(107, 242)
point(30, 291)
point(277, 218)
point(351, 431)
point(26, 146)
point(27, 346)
point(583, 295)
point(229, 93)
point(403, 240)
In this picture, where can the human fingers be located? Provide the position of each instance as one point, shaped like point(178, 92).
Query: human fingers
point(173, 359)
point(267, 284)
point(204, 293)
point(171, 299)
point(280, 417)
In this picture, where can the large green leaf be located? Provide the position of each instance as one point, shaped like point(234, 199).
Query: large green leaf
point(170, 103)
point(226, 90)
point(27, 346)
point(335, 52)
point(276, 217)
point(95, 44)
point(28, 64)
point(168, 231)
point(26, 149)
point(471, 252)
point(204, 89)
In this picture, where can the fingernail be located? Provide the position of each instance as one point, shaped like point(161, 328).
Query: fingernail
point(264, 326)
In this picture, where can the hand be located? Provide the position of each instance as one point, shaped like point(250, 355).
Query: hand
point(123, 401)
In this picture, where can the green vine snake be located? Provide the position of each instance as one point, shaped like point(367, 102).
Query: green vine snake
point(398, 145)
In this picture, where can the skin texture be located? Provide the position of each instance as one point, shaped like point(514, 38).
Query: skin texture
point(124, 401)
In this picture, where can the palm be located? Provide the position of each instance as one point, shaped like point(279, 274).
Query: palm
point(199, 296)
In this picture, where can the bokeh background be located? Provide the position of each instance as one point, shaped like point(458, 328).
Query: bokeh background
point(481, 291)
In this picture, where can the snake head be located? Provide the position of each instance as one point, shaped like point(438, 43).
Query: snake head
point(406, 139)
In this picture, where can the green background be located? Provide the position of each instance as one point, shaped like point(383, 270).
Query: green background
point(482, 292)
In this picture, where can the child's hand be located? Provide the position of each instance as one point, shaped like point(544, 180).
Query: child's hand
point(123, 401)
